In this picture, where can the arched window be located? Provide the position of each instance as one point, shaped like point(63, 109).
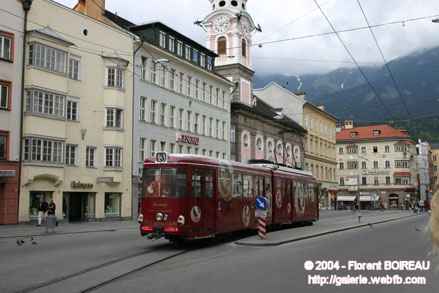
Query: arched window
point(244, 48)
point(246, 141)
point(222, 46)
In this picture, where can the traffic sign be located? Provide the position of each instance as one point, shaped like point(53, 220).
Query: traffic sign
point(261, 203)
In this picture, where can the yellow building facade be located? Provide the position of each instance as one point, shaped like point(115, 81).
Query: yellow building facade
point(77, 120)
point(320, 156)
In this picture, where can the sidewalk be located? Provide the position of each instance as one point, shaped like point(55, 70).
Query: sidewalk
point(27, 230)
point(326, 226)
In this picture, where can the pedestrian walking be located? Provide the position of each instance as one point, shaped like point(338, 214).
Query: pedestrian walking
point(51, 208)
point(51, 218)
point(42, 212)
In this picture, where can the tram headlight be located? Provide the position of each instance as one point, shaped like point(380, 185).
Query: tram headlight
point(181, 220)
point(159, 217)
point(140, 219)
point(165, 217)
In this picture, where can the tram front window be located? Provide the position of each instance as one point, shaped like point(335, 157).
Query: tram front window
point(164, 182)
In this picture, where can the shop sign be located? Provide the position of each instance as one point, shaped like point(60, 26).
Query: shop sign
point(80, 185)
point(7, 173)
point(188, 139)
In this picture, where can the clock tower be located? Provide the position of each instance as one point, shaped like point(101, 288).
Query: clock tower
point(229, 31)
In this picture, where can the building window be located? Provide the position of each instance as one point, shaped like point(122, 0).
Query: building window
point(195, 56)
point(43, 150)
point(341, 166)
point(113, 157)
point(144, 68)
point(375, 165)
point(352, 165)
point(115, 77)
point(364, 181)
point(153, 72)
point(113, 203)
point(70, 154)
point(163, 146)
point(223, 136)
point(203, 125)
point(179, 48)
point(375, 149)
point(352, 149)
point(181, 82)
point(172, 116)
point(197, 85)
point(74, 67)
point(153, 111)
point(46, 103)
point(402, 164)
point(340, 151)
point(400, 148)
point(72, 110)
point(172, 44)
point(203, 60)
point(180, 119)
point(152, 148)
point(402, 180)
point(162, 39)
point(341, 181)
point(210, 127)
point(162, 75)
point(3, 146)
point(6, 43)
point(376, 132)
point(217, 128)
point(244, 48)
point(5, 95)
point(113, 118)
point(142, 150)
point(142, 113)
point(196, 125)
point(210, 94)
point(172, 79)
point(90, 157)
point(388, 180)
point(363, 150)
point(376, 181)
point(187, 49)
point(232, 134)
point(387, 149)
point(189, 121)
point(162, 113)
point(188, 86)
point(172, 148)
point(387, 164)
point(47, 58)
point(222, 46)
point(210, 63)
point(204, 91)
point(217, 97)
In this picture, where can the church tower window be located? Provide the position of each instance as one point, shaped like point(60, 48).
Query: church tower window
point(222, 46)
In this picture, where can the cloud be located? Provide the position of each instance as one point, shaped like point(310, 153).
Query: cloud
point(282, 19)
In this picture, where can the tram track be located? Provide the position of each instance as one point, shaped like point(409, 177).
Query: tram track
point(69, 278)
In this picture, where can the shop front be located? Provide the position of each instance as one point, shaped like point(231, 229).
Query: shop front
point(79, 206)
point(8, 193)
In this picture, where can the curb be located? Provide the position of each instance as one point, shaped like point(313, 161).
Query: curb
point(295, 239)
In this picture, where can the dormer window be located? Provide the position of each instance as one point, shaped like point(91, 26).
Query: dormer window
point(162, 39)
point(354, 134)
point(376, 132)
point(222, 3)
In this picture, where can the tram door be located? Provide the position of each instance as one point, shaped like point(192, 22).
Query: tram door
point(202, 203)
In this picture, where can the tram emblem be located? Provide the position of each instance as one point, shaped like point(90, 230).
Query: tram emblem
point(196, 214)
point(278, 199)
point(246, 216)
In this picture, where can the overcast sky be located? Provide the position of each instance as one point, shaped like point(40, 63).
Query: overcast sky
point(282, 19)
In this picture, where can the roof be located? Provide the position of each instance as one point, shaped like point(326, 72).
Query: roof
point(268, 112)
point(324, 112)
point(122, 22)
point(367, 133)
point(51, 33)
point(435, 146)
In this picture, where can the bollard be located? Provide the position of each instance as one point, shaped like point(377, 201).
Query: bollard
point(262, 229)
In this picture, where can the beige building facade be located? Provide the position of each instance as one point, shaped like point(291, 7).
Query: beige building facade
point(77, 123)
point(320, 157)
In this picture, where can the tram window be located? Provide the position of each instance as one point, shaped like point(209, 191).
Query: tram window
point(196, 184)
point(169, 183)
point(209, 185)
point(237, 185)
point(225, 184)
point(287, 188)
point(267, 189)
point(247, 186)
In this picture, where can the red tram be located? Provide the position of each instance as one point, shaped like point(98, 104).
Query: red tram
point(194, 197)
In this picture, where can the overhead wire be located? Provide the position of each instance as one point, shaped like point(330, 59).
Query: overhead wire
point(386, 64)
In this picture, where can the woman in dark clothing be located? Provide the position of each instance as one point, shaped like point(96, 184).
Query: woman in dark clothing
point(52, 208)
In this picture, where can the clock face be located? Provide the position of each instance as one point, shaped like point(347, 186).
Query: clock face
point(221, 24)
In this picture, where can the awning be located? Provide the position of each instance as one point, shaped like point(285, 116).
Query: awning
point(403, 174)
point(345, 198)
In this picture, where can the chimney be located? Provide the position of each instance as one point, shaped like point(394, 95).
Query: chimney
point(93, 8)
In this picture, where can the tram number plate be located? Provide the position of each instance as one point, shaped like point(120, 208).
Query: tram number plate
point(161, 157)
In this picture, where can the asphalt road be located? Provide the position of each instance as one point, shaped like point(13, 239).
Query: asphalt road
point(227, 268)
point(73, 263)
